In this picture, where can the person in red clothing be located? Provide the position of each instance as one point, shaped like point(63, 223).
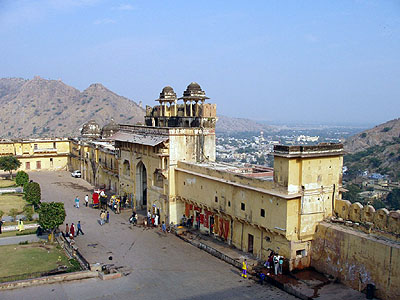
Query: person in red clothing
point(72, 231)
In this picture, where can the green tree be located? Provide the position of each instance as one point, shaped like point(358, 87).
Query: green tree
point(21, 178)
point(28, 212)
point(352, 193)
point(9, 163)
point(32, 193)
point(393, 199)
point(51, 215)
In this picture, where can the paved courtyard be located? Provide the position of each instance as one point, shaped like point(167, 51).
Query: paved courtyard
point(158, 266)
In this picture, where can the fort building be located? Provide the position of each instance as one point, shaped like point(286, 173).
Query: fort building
point(296, 209)
point(38, 154)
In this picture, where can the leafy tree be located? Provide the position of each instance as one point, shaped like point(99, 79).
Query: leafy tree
point(9, 163)
point(21, 178)
point(28, 212)
point(32, 193)
point(352, 193)
point(393, 199)
point(51, 215)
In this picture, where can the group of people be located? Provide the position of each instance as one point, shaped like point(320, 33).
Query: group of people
point(275, 262)
point(104, 217)
point(76, 201)
point(153, 220)
point(187, 222)
point(73, 231)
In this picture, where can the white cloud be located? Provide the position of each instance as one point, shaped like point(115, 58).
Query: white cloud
point(124, 7)
point(104, 21)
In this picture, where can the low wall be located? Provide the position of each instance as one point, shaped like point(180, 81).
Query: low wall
point(357, 259)
point(381, 219)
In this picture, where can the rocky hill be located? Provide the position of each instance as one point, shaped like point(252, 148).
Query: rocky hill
point(373, 137)
point(376, 150)
point(40, 108)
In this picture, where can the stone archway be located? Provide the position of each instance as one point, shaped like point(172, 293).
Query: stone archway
point(141, 185)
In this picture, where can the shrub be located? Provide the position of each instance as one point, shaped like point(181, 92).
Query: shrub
point(28, 212)
point(386, 129)
point(1, 214)
point(363, 135)
point(13, 213)
point(32, 193)
point(21, 178)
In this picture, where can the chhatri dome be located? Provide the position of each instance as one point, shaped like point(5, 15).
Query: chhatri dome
point(109, 129)
point(194, 93)
point(90, 129)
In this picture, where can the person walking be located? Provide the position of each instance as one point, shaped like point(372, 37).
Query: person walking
point(1, 224)
point(276, 264)
point(148, 218)
point(102, 217)
point(164, 228)
point(108, 217)
point(66, 230)
point(118, 205)
point(244, 269)
point(79, 228)
point(86, 200)
point(72, 231)
point(20, 225)
point(280, 261)
point(77, 202)
point(156, 218)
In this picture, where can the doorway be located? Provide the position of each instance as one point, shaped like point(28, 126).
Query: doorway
point(211, 224)
point(141, 186)
point(251, 243)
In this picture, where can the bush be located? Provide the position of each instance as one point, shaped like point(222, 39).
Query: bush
point(363, 135)
point(13, 213)
point(21, 178)
point(1, 214)
point(386, 129)
point(28, 212)
point(32, 193)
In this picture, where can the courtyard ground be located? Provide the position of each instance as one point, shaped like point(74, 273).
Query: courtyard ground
point(156, 266)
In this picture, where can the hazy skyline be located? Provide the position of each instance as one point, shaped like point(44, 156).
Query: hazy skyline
point(279, 61)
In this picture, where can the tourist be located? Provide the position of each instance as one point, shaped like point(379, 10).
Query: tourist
point(72, 231)
point(1, 224)
point(276, 264)
point(270, 260)
point(86, 200)
point(148, 218)
point(77, 202)
point(262, 278)
point(244, 269)
point(183, 220)
point(164, 228)
point(66, 230)
point(118, 205)
point(20, 225)
point(108, 217)
point(280, 260)
point(152, 220)
point(102, 217)
point(79, 228)
point(156, 218)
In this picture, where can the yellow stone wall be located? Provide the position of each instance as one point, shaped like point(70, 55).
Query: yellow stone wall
point(39, 154)
point(357, 259)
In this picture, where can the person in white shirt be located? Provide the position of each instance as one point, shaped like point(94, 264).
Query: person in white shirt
point(86, 200)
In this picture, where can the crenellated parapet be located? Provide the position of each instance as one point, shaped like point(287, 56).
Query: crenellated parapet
point(380, 219)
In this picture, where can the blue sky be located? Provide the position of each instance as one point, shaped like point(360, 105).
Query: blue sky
point(280, 61)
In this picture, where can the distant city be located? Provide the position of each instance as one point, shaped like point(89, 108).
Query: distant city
point(255, 147)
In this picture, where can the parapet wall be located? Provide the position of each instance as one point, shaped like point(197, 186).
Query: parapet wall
point(381, 219)
point(357, 259)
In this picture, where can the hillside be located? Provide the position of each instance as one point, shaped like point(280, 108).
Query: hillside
point(40, 108)
point(375, 150)
point(373, 137)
